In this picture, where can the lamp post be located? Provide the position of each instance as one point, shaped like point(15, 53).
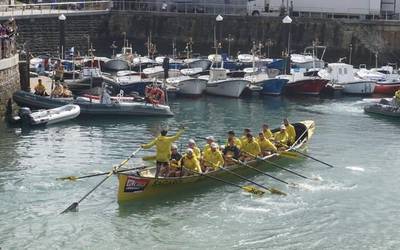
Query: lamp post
point(287, 20)
point(218, 20)
point(229, 39)
point(351, 52)
point(61, 19)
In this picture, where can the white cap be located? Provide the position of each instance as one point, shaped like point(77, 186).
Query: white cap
point(283, 126)
point(222, 147)
point(210, 138)
point(214, 145)
point(189, 151)
point(192, 141)
point(173, 146)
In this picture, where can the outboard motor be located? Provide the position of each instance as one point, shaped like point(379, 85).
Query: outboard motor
point(25, 114)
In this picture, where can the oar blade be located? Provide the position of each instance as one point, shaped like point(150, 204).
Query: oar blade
point(70, 178)
point(72, 208)
point(276, 191)
point(253, 190)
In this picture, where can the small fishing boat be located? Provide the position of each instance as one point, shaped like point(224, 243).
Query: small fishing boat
point(204, 64)
point(90, 106)
point(46, 117)
point(270, 86)
point(309, 59)
point(342, 74)
point(219, 84)
point(384, 107)
point(386, 88)
point(187, 85)
point(88, 78)
point(298, 84)
point(143, 185)
point(158, 72)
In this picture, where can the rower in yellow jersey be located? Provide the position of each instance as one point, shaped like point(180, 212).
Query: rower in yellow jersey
point(210, 139)
point(250, 149)
point(189, 163)
point(243, 138)
point(267, 132)
point(281, 138)
point(237, 141)
point(212, 158)
point(196, 150)
point(290, 131)
point(266, 146)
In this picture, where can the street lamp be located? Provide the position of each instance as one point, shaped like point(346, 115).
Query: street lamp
point(218, 19)
point(287, 20)
point(61, 19)
point(229, 39)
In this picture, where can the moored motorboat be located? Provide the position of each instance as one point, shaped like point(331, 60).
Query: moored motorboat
point(298, 84)
point(204, 64)
point(386, 88)
point(93, 107)
point(342, 74)
point(143, 185)
point(219, 84)
point(187, 85)
point(47, 117)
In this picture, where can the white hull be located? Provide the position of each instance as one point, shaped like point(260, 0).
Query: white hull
point(228, 87)
point(198, 63)
point(158, 72)
point(361, 87)
point(56, 115)
point(192, 86)
point(117, 64)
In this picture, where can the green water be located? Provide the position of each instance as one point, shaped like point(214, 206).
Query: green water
point(355, 206)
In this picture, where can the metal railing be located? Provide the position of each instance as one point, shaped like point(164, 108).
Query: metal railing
point(185, 7)
point(54, 8)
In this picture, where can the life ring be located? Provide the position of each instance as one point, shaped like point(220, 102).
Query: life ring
point(156, 96)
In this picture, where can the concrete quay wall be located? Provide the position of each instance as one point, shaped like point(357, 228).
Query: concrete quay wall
point(367, 38)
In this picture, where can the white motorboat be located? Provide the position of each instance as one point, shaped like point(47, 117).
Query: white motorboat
point(191, 71)
point(187, 85)
point(343, 74)
point(219, 84)
point(309, 59)
point(158, 72)
point(198, 63)
point(50, 116)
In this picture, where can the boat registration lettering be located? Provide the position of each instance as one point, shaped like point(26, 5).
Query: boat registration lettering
point(135, 185)
point(167, 182)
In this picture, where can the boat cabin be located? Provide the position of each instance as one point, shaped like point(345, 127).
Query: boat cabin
point(338, 72)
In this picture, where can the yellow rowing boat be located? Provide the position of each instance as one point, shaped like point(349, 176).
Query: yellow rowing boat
point(143, 184)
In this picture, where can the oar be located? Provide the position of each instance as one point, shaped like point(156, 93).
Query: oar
point(261, 172)
point(73, 207)
point(73, 178)
point(315, 159)
point(249, 189)
point(272, 190)
point(280, 167)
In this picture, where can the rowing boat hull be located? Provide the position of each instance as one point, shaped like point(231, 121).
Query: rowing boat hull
point(133, 187)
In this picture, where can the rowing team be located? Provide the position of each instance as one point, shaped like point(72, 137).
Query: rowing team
point(170, 163)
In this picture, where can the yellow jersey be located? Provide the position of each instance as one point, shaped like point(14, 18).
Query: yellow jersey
point(266, 145)
point(213, 158)
point(252, 148)
point(268, 134)
point(190, 163)
point(291, 133)
point(281, 137)
point(163, 146)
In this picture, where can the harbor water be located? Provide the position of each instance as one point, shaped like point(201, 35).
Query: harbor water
point(354, 205)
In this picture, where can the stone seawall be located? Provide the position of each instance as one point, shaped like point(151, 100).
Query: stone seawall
point(367, 38)
point(9, 80)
